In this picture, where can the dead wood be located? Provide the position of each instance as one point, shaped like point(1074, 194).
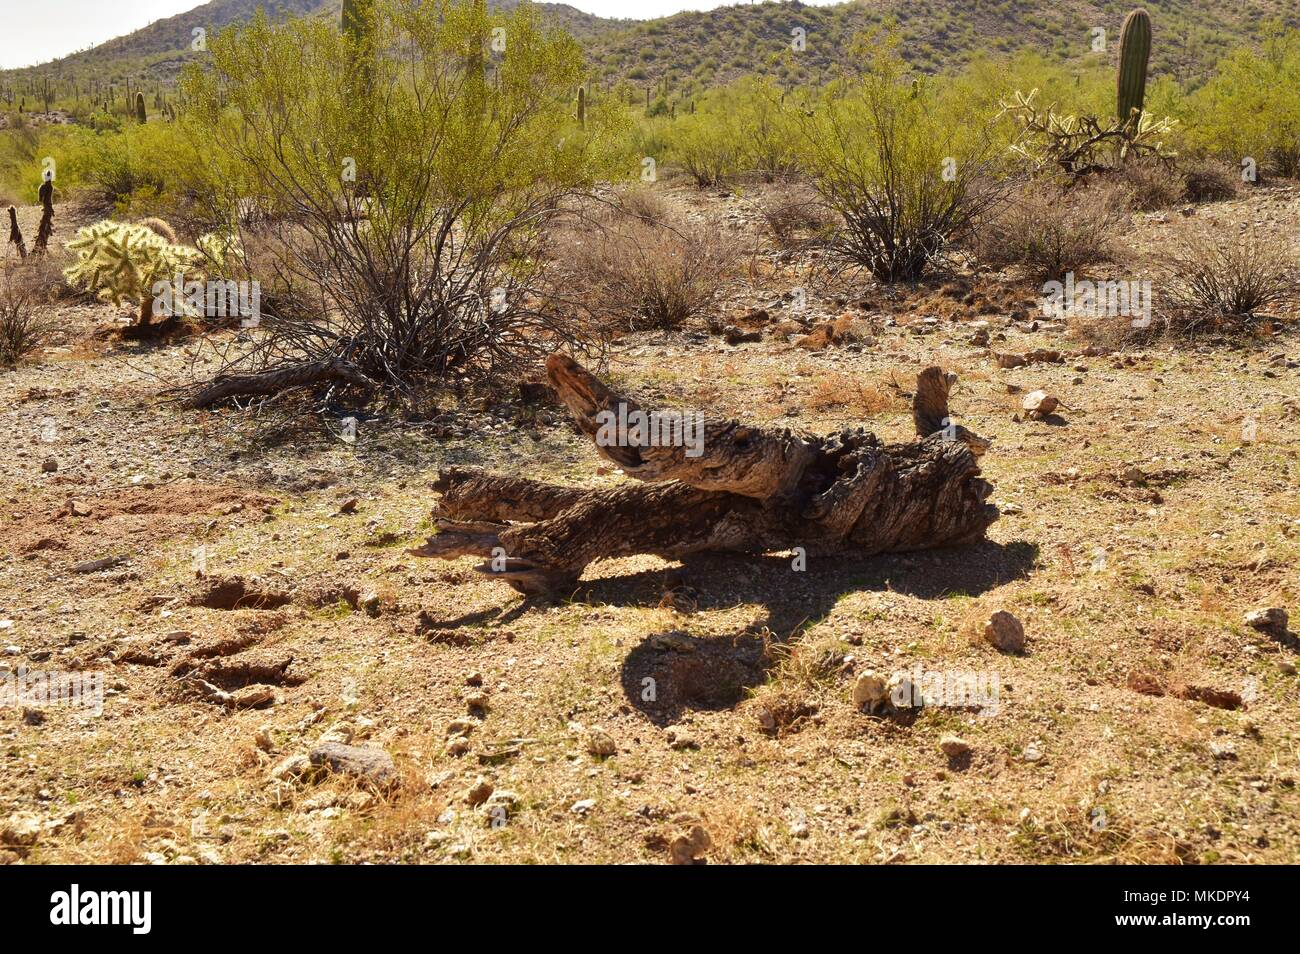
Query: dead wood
point(749, 489)
point(273, 382)
point(16, 234)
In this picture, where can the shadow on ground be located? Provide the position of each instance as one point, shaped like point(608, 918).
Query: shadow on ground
point(672, 672)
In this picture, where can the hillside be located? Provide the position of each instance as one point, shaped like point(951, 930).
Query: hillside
point(700, 49)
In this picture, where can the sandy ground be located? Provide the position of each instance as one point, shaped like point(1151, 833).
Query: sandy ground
point(1143, 723)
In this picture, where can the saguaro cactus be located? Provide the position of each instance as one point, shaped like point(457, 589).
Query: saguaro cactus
point(46, 228)
point(1134, 52)
point(582, 106)
point(140, 115)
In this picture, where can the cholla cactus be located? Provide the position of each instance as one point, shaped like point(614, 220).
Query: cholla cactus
point(122, 262)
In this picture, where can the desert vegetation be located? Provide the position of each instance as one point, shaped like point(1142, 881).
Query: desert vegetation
point(889, 442)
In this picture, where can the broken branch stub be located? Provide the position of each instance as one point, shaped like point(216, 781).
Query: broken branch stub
point(741, 488)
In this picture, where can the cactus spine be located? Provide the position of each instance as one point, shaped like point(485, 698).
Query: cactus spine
point(1134, 52)
point(140, 115)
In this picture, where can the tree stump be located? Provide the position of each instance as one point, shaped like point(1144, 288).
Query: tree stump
point(741, 488)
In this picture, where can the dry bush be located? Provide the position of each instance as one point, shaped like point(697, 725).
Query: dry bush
point(642, 202)
point(796, 215)
point(863, 398)
point(1150, 184)
point(1207, 181)
point(648, 275)
point(1049, 230)
point(1217, 283)
point(22, 330)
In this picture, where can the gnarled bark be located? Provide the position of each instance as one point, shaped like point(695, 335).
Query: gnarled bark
point(748, 489)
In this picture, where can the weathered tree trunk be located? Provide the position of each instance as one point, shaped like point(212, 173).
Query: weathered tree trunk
point(16, 234)
point(751, 490)
point(46, 227)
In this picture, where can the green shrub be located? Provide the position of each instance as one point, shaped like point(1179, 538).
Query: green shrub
point(411, 206)
point(1251, 108)
point(900, 161)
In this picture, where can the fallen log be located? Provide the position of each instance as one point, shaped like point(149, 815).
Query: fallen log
point(273, 382)
point(739, 487)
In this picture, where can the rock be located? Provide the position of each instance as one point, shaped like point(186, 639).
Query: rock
point(500, 806)
point(264, 739)
point(981, 338)
point(1005, 632)
point(1008, 361)
point(462, 726)
point(478, 793)
point(1039, 404)
point(1133, 475)
point(954, 747)
point(1272, 621)
point(476, 701)
point(349, 506)
point(600, 743)
point(370, 603)
point(474, 679)
point(680, 738)
point(871, 691)
point(33, 716)
point(103, 563)
point(293, 767)
point(457, 746)
point(20, 830)
point(687, 847)
point(582, 807)
point(1033, 752)
point(1224, 751)
point(49, 465)
point(338, 732)
point(367, 762)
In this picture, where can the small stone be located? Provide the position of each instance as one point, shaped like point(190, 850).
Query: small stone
point(1039, 404)
point(457, 746)
point(478, 793)
point(369, 603)
point(462, 726)
point(1005, 632)
point(474, 679)
point(363, 761)
point(1272, 621)
point(476, 701)
point(680, 738)
point(349, 506)
point(903, 693)
point(263, 739)
point(687, 847)
point(583, 806)
point(49, 465)
point(33, 716)
point(21, 830)
point(954, 747)
point(600, 743)
point(1032, 753)
point(869, 690)
point(293, 767)
point(1224, 751)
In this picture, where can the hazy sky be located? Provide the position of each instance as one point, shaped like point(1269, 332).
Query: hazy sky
point(34, 31)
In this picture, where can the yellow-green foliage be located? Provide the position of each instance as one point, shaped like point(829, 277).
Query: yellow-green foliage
point(1251, 108)
point(740, 127)
point(122, 262)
